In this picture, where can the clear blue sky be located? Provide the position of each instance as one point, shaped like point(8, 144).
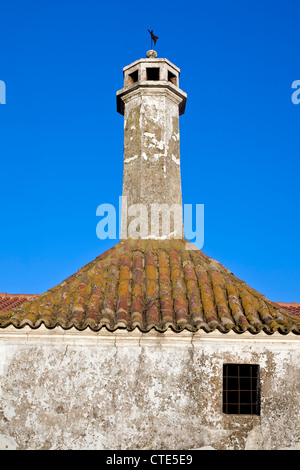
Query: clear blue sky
point(61, 146)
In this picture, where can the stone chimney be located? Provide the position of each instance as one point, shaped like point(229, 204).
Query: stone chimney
point(151, 103)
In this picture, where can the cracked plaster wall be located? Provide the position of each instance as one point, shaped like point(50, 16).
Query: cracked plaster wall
point(154, 391)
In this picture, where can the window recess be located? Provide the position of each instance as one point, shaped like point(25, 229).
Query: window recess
point(241, 389)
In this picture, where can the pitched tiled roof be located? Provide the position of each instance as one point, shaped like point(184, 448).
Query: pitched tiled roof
point(293, 307)
point(9, 301)
point(153, 284)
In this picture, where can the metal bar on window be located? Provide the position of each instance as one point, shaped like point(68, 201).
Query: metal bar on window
point(251, 407)
point(240, 381)
point(239, 391)
point(226, 389)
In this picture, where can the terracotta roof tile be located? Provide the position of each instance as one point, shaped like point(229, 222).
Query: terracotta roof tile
point(9, 301)
point(153, 284)
point(293, 307)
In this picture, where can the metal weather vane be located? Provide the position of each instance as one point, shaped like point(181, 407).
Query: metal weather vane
point(153, 38)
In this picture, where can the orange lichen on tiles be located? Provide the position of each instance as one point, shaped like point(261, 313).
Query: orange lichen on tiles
point(137, 294)
point(193, 295)
point(179, 289)
point(207, 297)
point(221, 300)
point(122, 315)
point(166, 301)
point(153, 284)
point(239, 312)
point(151, 310)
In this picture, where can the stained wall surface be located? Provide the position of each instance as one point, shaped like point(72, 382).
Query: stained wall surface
point(85, 390)
point(152, 156)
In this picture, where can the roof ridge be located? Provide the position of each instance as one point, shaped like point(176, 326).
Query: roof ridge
point(29, 296)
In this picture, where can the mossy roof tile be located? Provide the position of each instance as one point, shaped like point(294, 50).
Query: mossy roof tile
point(149, 284)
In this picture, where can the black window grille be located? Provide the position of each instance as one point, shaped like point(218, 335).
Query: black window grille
point(241, 389)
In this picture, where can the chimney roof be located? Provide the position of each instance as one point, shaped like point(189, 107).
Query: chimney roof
point(151, 284)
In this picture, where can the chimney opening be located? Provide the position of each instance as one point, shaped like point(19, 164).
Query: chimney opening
point(132, 77)
point(172, 78)
point(153, 73)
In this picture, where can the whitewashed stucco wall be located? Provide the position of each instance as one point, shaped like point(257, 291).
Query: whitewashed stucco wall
point(72, 390)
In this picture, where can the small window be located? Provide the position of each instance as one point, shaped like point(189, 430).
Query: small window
point(132, 77)
point(241, 389)
point(172, 78)
point(153, 73)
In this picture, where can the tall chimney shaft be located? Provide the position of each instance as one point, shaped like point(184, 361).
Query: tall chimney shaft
point(151, 102)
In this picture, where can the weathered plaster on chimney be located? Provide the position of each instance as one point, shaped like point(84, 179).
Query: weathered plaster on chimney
point(151, 139)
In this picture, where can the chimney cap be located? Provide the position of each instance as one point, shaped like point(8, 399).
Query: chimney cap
point(151, 54)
